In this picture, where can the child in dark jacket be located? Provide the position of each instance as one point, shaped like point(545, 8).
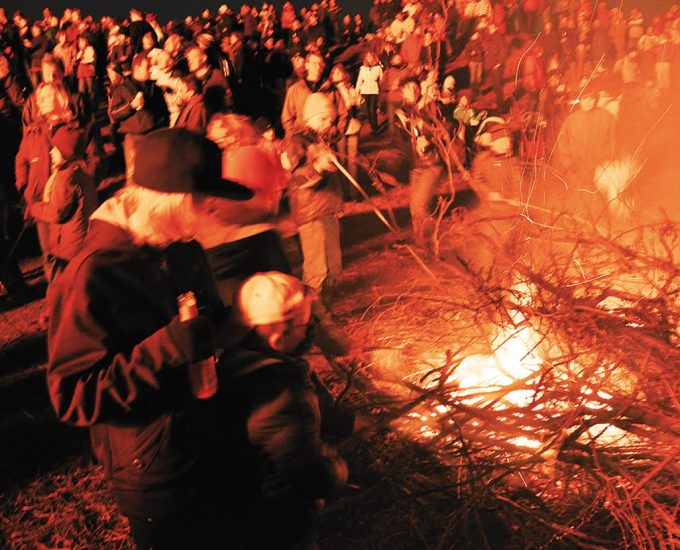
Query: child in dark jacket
point(70, 196)
point(283, 470)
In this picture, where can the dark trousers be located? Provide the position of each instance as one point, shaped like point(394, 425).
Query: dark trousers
point(496, 77)
point(372, 110)
point(10, 273)
point(203, 528)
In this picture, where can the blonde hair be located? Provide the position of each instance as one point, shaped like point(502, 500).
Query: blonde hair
point(62, 108)
point(151, 217)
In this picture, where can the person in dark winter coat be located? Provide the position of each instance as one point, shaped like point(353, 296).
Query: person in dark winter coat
point(496, 227)
point(138, 107)
point(301, 89)
point(32, 164)
point(285, 468)
point(69, 197)
point(120, 357)
point(315, 192)
point(217, 93)
point(586, 140)
point(423, 129)
point(193, 114)
point(315, 196)
point(11, 100)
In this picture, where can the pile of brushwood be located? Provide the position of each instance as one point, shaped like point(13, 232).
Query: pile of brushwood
point(545, 388)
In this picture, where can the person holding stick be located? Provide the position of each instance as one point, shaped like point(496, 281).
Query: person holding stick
point(315, 194)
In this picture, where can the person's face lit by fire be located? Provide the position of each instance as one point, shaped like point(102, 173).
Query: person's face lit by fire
point(298, 65)
point(314, 66)
point(148, 42)
point(338, 76)
point(196, 59)
point(46, 101)
point(173, 44)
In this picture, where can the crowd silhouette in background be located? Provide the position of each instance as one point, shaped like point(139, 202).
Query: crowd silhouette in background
point(519, 59)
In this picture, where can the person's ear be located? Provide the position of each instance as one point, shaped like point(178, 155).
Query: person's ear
point(275, 340)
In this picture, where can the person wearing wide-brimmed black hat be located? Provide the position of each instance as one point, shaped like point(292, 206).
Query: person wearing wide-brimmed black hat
point(120, 355)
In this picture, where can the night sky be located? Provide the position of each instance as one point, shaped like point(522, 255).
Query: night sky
point(178, 9)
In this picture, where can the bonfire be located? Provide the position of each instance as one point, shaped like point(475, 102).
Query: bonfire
point(550, 391)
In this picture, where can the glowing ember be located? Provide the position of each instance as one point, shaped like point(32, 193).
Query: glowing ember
point(512, 364)
point(504, 387)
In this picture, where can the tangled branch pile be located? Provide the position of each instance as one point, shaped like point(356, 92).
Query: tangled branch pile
point(551, 393)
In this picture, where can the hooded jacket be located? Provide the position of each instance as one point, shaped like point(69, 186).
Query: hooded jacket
point(311, 194)
point(73, 197)
point(32, 164)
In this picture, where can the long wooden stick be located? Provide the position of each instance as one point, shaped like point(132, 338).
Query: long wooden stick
point(383, 219)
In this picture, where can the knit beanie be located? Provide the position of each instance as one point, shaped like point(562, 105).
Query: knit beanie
point(69, 141)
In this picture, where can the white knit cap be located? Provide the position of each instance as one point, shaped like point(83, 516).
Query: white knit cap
point(272, 297)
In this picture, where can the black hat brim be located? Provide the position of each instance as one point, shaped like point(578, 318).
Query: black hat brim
point(225, 189)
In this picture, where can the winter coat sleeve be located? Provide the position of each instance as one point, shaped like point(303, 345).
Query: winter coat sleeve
point(15, 94)
point(288, 113)
point(302, 172)
point(285, 423)
point(119, 105)
point(21, 166)
point(291, 103)
point(62, 204)
point(93, 373)
point(95, 158)
point(159, 107)
point(360, 79)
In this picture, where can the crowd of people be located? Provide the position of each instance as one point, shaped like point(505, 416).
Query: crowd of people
point(220, 118)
